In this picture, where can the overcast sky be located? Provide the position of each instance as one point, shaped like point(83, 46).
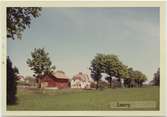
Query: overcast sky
point(73, 36)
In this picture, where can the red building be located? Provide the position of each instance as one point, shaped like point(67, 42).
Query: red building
point(57, 80)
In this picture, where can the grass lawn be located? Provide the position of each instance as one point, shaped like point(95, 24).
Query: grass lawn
point(75, 99)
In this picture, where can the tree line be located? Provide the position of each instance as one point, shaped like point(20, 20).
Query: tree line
point(109, 64)
point(113, 67)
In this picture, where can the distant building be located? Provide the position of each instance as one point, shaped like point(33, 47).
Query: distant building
point(20, 77)
point(81, 80)
point(30, 81)
point(57, 80)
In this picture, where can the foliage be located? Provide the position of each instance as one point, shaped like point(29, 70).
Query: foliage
point(156, 78)
point(40, 62)
point(127, 81)
point(18, 18)
point(11, 83)
point(16, 70)
point(109, 64)
point(114, 67)
point(136, 78)
point(97, 68)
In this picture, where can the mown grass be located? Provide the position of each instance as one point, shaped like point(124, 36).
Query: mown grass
point(73, 99)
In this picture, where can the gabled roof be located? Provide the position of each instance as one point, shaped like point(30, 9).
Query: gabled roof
point(60, 74)
point(81, 76)
point(57, 75)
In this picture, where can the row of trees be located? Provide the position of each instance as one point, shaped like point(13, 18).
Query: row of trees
point(41, 64)
point(113, 67)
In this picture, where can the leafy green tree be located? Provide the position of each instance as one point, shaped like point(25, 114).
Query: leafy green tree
point(97, 68)
point(11, 83)
point(136, 78)
point(109, 64)
point(114, 67)
point(123, 73)
point(127, 81)
point(18, 18)
point(40, 63)
point(139, 78)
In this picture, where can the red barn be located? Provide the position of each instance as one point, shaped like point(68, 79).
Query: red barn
point(57, 80)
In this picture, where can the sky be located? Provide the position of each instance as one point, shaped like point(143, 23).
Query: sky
point(73, 36)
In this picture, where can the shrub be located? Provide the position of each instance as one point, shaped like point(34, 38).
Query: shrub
point(11, 83)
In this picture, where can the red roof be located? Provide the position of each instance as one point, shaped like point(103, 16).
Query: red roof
point(58, 75)
point(81, 76)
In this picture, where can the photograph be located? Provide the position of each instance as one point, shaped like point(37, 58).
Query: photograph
point(83, 58)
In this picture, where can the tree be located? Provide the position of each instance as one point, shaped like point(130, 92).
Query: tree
point(127, 81)
point(123, 73)
point(16, 70)
point(11, 83)
point(156, 78)
point(109, 64)
point(97, 68)
point(114, 68)
point(40, 63)
point(135, 79)
point(139, 78)
point(18, 18)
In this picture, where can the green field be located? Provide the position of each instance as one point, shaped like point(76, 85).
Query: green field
point(73, 99)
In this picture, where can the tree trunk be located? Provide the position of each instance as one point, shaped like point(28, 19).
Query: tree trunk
point(110, 78)
point(141, 83)
point(126, 84)
point(38, 83)
point(120, 83)
point(97, 84)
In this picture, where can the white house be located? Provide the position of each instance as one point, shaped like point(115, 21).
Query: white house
point(81, 80)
